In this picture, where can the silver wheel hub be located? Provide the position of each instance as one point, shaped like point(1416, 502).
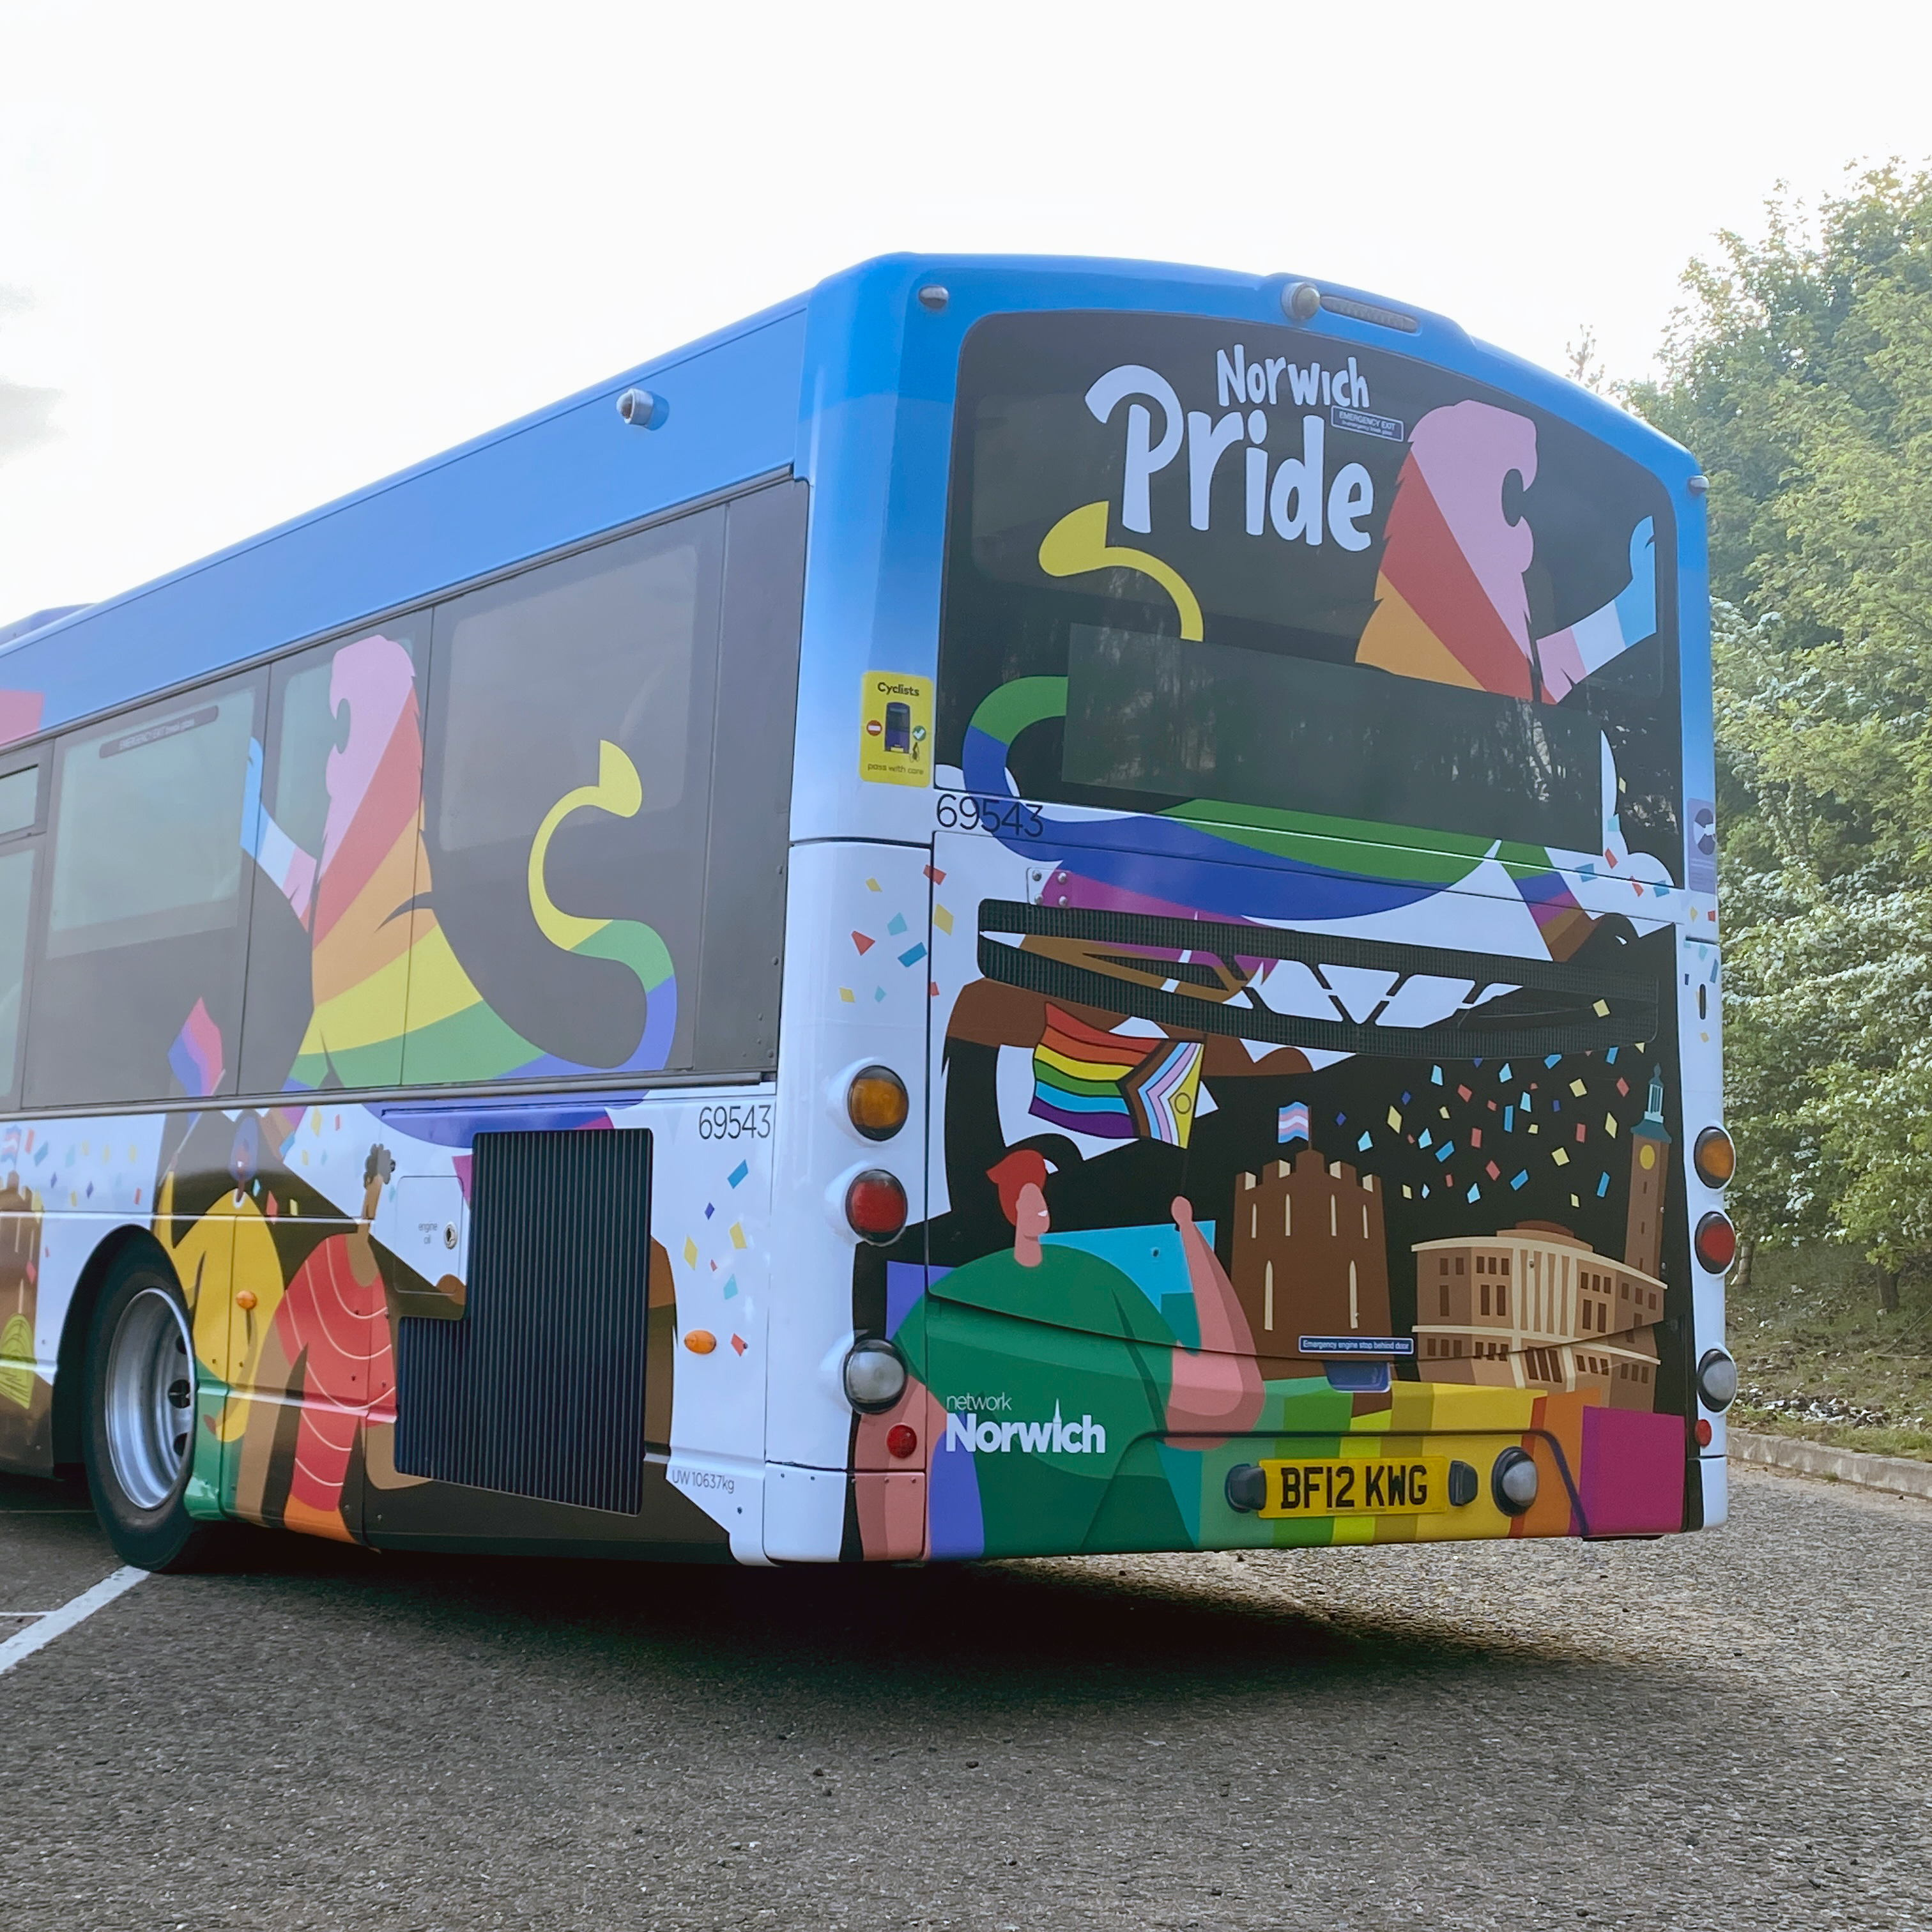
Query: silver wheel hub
point(150, 1399)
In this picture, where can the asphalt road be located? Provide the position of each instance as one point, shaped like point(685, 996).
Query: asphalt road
point(1729, 1730)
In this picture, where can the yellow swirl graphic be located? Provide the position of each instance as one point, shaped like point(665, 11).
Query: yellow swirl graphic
point(1078, 544)
point(617, 791)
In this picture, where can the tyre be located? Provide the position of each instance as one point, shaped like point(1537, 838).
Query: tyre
point(139, 1437)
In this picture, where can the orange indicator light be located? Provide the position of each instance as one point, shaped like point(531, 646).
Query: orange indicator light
point(1714, 1157)
point(876, 1102)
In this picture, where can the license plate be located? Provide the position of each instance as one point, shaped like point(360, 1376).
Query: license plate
point(1358, 1486)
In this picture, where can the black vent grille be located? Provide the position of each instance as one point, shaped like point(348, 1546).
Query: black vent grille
point(539, 1389)
point(1513, 1007)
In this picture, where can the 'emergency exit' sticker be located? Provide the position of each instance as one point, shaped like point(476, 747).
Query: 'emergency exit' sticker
point(895, 729)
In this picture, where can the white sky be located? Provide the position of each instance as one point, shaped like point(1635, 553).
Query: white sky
point(263, 254)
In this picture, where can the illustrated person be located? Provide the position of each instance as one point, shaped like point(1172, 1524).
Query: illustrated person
point(1032, 1433)
point(328, 1349)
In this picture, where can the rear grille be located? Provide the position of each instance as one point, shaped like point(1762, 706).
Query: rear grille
point(539, 1389)
point(1511, 1006)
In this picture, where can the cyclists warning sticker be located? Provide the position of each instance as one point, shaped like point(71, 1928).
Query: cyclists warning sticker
point(895, 729)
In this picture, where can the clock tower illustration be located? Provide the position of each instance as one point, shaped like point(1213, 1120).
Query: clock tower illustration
point(1650, 1169)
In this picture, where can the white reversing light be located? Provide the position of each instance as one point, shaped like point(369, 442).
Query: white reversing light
point(875, 1375)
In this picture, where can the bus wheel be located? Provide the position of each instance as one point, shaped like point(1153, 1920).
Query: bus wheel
point(141, 1418)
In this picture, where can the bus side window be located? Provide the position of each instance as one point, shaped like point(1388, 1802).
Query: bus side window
point(137, 993)
point(335, 861)
point(567, 782)
point(19, 801)
point(751, 781)
point(16, 905)
point(21, 791)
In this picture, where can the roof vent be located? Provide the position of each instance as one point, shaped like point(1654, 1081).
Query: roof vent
point(38, 620)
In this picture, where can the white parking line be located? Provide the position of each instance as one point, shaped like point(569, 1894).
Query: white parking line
point(51, 1624)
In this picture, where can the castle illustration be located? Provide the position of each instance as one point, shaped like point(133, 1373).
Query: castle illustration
point(1532, 1306)
point(1310, 1257)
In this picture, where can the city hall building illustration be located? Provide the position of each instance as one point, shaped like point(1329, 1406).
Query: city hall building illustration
point(1531, 1307)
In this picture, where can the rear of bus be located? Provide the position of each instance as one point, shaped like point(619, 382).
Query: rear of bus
point(1316, 924)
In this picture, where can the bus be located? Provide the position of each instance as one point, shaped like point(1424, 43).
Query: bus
point(1022, 907)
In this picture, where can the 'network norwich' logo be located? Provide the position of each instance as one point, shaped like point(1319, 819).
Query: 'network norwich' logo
point(981, 1435)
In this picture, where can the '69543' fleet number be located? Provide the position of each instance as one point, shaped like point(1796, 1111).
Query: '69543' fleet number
point(968, 811)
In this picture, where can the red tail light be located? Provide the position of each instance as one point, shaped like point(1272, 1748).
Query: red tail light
point(901, 1441)
point(875, 1205)
point(1716, 1241)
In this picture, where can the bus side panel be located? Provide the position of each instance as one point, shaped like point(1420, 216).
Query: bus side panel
point(711, 1219)
point(702, 1401)
point(856, 989)
point(1699, 1020)
point(308, 1237)
point(70, 1185)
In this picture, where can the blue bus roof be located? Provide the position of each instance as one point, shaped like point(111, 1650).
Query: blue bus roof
point(550, 479)
point(562, 475)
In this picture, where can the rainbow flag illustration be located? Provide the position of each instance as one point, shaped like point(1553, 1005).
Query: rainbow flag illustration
point(1077, 1073)
point(1163, 1091)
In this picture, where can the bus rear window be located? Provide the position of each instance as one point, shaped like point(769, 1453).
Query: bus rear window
point(1280, 574)
point(1154, 715)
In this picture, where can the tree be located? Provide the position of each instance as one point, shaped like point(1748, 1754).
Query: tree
point(1581, 364)
point(1800, 372)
